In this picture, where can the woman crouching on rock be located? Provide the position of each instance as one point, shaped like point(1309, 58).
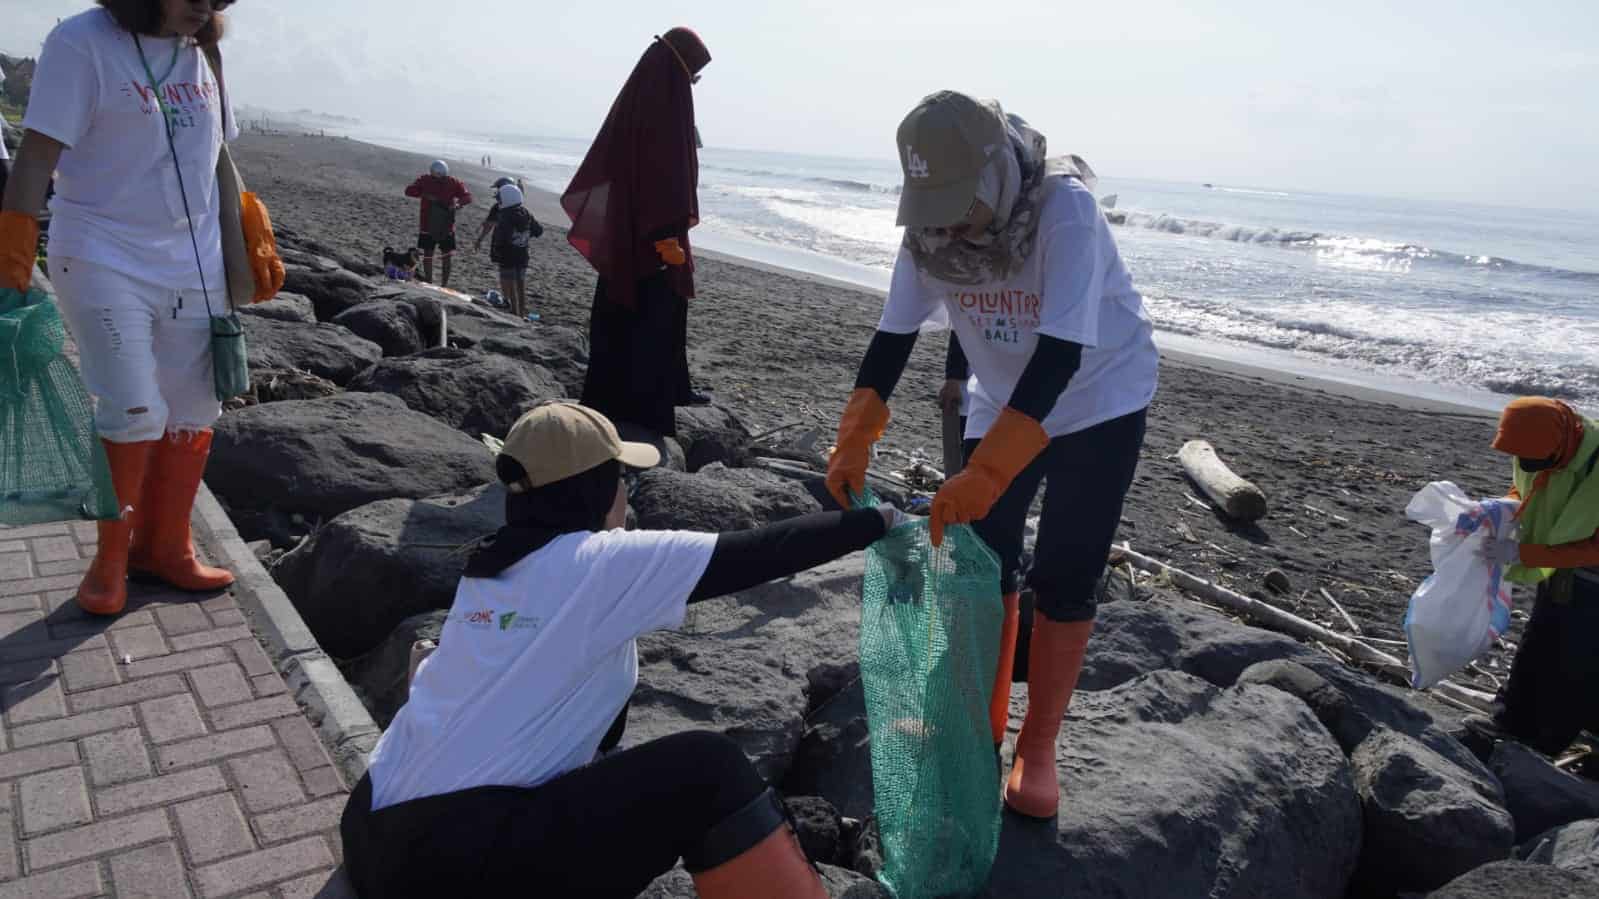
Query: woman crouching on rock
point(487, 782)
point(1010, 247)
point(129, 111)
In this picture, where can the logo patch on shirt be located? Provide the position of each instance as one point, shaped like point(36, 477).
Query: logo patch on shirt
point(511, 621)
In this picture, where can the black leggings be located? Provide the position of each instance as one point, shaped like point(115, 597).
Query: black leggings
point(604, 830)
point(1554, 681)
point(1086, 477)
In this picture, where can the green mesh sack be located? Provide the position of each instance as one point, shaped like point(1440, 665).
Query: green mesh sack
point(52, 466)
point(930, 626)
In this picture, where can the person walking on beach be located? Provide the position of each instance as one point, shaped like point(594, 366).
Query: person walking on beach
point(493, 218)
point(632, 203)
point(496, 777)
point(441, 196)
point(1553, 690)
point(515, 227)
point(1009, 248)
point(120, 91)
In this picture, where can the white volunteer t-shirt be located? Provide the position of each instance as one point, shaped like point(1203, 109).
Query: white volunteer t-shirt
point(1073, 287)
point(534, 665)
point(117, 201)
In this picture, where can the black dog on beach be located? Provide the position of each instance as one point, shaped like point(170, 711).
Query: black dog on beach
point(400, 266)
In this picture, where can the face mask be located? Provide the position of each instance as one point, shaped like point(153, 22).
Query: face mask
point(1536, 465)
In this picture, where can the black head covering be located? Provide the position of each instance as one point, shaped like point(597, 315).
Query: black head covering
point(538, 515)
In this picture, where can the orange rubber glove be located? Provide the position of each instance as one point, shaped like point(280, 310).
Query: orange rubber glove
point(1010, 445)
point(19, 246)
point(265, 263)
point(863, 423)
point(671, 251)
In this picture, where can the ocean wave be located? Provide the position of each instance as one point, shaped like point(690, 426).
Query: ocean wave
point(848, 184)
point(1412, 348)
point(1360, 252)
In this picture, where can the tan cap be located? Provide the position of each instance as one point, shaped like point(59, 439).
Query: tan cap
point(558, 440)
point(943, 145)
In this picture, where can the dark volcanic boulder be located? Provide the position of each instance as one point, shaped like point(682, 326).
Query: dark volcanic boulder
point(469, 323)
point(564, 351)
point(324, 457)
point(712, 434)
point(839, 884)
point(1541, 797)
point(380, 674)
point(366, 571)
point(478, 393)
point(817, 825)
point(285, 307)
point(718, 499)
point(1176, 787)
point(1426, 820)
point(327, 351)
point(392, 326)
point(330, 292)
point(1574, 847)
point(833, 758)
point(1520, 880)
point(741, 664)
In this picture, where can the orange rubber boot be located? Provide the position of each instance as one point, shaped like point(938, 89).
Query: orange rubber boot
point(999, 699)
point(104, 590)
point(774, 868)
point(162, 546)
point(1054, 660)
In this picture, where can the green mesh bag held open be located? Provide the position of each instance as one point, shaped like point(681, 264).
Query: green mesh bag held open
point(52, 466)
point(930, 626)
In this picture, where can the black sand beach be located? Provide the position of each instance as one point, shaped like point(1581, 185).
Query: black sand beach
point(1337, 464)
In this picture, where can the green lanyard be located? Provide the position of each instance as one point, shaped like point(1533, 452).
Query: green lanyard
point(155, 83)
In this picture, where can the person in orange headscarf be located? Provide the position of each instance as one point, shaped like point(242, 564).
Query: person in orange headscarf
point(1553, 690)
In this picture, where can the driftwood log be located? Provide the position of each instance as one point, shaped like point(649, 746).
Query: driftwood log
point(1239, 499)
point(1381, 663)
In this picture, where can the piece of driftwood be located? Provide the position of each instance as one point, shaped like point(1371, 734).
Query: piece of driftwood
point(954, 449)
point(1353, 627)
point(1381, 663)
point(444, 326)
point(1239, 499)
point(790, 469)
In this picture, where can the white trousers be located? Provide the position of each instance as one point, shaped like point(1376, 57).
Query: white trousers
point(144, 350)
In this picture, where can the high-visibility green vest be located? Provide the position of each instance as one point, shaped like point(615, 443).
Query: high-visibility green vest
point(1566, 510)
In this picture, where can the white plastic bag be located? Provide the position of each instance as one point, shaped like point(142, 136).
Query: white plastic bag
point(1458, 612)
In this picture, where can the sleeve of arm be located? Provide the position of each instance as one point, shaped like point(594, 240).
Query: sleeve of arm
point(885, 361)
point(415, 189)
point(1582, 554)
point(1075, 265)
point(463, 193)
point(743, 559)
point(65, 93)
point(956, 368)
point(1048, 372)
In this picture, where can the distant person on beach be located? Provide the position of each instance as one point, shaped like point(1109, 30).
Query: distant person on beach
point(135, 261)
point(632, 203)
point(497, 777)
point(1553, 691)
point(1009, 248)
point(441, 196)
point(514, 229)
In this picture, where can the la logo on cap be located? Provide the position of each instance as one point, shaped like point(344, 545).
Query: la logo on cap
point(915, 166)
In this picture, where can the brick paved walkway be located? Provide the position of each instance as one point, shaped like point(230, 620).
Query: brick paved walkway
point(157, 754)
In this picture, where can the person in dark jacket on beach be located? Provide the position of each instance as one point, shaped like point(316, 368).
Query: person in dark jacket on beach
point(1553, 690)
point(1008, 247)
point(514, 227)
point(496, 777)
point(632, 203)
point(441, 197)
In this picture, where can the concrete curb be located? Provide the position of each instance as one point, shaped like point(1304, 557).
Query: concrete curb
point(315, 681)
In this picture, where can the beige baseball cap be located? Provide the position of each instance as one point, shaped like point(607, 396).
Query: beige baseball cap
point(558, 440)
point(943, 145)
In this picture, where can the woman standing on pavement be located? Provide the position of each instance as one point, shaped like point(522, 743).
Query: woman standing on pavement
point(1010, 249)
point(136, 259)
point(632, 203)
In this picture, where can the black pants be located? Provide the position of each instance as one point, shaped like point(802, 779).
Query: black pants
point(638, 357)
point(5, 174)
point(601, 831)
point(1554, 682)
point(1086, 477)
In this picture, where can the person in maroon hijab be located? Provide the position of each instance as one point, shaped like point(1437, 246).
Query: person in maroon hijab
point(632, 203)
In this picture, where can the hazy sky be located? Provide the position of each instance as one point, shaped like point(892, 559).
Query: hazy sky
point(1467, 99)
